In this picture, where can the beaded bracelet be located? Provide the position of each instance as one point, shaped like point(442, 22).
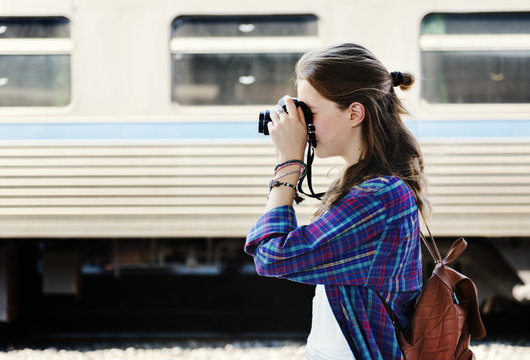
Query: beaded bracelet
point(286, 174)
point(275, 183)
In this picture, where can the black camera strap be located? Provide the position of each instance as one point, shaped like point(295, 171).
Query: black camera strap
point(309, 162)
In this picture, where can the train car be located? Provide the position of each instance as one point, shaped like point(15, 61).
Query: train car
point(128, 128)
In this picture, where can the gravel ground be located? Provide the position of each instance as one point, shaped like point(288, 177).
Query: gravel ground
point(219, 350)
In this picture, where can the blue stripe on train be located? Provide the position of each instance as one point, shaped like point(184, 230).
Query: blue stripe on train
point(242, 130)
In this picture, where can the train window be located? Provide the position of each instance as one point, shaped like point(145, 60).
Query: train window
point(235, 79)
point(476, 58)
point(477, 23)
point(35, 61)
point(53, 27)
point(238, 60)
point(280, 25)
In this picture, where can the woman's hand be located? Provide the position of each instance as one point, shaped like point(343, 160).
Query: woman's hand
point(288, 131)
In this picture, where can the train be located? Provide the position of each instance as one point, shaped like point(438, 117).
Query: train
point(129, 136)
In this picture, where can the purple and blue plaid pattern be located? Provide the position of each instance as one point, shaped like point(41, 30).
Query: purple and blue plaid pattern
point(368, 242)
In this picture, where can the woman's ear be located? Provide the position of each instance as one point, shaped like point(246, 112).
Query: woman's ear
point(356, 111)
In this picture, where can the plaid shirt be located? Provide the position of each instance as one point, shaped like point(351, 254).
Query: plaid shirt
point(367, 242)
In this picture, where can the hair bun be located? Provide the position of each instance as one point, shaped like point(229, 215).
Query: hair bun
point(397, 78)
point(403, 80)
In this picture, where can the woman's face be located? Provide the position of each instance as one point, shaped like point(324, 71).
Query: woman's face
point(333, 129)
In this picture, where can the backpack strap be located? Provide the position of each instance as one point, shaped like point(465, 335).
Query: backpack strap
point(435, 253)
point(433, 249)
point(456, 249)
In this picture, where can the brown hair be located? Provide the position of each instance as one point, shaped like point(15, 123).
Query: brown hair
point(349, 73)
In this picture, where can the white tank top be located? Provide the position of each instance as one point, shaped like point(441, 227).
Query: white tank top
point(326, 340)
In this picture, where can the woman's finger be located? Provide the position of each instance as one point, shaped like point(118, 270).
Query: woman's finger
point(270, 126)
point(291, 108)
point(279, 110)
point(301, 115)
point(273, 114)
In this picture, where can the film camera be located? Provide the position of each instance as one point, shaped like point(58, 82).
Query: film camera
point(265, 118)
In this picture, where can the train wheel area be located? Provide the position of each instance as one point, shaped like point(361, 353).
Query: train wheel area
point(167, 288)
point(188, 292)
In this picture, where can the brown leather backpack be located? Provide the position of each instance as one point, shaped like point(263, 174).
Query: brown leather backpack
point(446, 314)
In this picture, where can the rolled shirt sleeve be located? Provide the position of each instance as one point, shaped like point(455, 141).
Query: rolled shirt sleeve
point(334, 249)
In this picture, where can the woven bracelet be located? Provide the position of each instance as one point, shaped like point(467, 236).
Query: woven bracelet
point(302, 165)
point(290, 162)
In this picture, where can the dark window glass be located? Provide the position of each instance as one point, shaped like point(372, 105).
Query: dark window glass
point(478, 23)
point(455, 70)
point(274, 25)
point(34, 27)
point(34, 80)
point(476, 76)
point(232, 79)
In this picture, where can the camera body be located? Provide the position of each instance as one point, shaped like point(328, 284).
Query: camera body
point(265, 118)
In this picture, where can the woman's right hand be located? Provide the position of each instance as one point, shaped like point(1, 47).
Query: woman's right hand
point(288, 131)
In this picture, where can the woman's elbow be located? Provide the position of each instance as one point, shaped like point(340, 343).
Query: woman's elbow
point(265, 267)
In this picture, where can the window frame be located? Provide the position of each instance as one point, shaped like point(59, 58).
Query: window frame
point(40, 46)
point(235, 45)
point(469, 42)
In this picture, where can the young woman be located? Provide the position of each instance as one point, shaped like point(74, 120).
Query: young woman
point(364, 243)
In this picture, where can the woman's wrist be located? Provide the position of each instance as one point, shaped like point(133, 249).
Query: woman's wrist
point(287, 175)
point(289, 167)
point(282, 159)
point(283, 191)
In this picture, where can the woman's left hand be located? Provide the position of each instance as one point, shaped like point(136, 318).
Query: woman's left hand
point(288, 131)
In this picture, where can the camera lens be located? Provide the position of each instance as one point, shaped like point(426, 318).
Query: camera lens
point(264, 118)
